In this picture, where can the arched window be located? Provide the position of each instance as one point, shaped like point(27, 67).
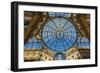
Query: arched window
point(59, 56)
point(59, 14)
point(33, 43)
point(83, 42)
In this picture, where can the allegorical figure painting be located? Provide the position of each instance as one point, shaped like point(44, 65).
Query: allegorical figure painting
point(50, 36)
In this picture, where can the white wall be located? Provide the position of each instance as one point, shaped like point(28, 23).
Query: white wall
point(5, 17)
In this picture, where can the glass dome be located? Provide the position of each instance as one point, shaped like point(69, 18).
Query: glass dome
point(59, 34)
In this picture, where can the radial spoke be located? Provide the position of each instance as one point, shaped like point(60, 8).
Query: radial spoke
point(54, 24)
point(53, 41)
point(63, 43)
point(65, 24)
point(66, 42)
point(50, 27)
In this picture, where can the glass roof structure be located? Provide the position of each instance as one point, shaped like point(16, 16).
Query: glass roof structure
point(59, 34)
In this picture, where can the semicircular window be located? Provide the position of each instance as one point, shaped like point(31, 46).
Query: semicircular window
point(83, 42)
point(59, 14)
point(33, 43)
